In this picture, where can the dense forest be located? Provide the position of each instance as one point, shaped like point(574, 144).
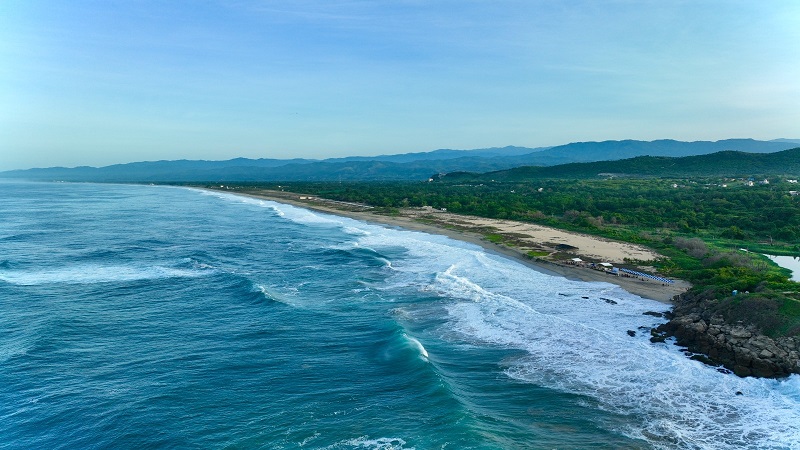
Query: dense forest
point(711, 207)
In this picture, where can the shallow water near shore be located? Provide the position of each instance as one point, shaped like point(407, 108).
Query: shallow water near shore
point(147, 316)
point(788, 262)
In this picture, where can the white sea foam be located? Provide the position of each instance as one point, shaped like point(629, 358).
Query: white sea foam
point(96, 273)
point(13, 347)
point(576, 341)
point(309, 439)
point(365, 442)
point(580, 346)
point(271, 294)
point(300, 215)
point(313, 218)
point(417, 345)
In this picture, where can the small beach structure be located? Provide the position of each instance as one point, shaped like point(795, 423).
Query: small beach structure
point(647, 275)
point(576, 262)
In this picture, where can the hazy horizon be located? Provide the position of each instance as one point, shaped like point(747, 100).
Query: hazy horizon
point(225, 158)
point(94, 84)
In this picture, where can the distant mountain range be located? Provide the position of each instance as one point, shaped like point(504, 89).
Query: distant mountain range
point(408, 166)
point(723, 164)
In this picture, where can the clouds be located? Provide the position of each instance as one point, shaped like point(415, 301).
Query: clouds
point(94, 83)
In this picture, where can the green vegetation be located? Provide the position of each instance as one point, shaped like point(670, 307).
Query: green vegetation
point(700, 225)
point(726, 163)
point(763, 216)
point(495, 238)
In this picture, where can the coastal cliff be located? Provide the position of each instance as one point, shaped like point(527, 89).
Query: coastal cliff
point(741, 347)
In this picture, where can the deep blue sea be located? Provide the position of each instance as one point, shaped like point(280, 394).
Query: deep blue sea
point(135, 317)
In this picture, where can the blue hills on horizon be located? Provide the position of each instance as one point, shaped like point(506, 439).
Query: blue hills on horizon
point(407, 166)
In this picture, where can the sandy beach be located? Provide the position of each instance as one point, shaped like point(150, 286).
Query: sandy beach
point(554, 248)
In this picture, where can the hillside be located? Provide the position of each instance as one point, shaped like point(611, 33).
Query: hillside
point(408, 166)
point(592, 151)
point(726, 163)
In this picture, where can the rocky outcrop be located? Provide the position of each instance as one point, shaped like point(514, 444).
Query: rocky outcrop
point(738, 347)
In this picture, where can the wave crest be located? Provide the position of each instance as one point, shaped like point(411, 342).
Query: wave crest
point(96, 273)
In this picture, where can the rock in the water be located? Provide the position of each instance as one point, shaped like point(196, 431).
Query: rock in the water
point(702, 358)
point(658, 336)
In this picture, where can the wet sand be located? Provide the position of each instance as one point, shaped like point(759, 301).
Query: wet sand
point(516, 240)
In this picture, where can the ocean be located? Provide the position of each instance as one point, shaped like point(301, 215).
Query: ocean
point(170, 317)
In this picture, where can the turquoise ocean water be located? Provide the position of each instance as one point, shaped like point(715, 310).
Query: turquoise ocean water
point(164, 317)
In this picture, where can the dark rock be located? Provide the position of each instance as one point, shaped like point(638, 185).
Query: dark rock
point(744, 358)
point(702, 358)
point(653, 313)
point(631, 333)
point(762, 368)
point(658, 336)
point(741, 371)
point(740, 333)
point(717, 320)
point(726, 355)
point(608, 300)
point(736, 346)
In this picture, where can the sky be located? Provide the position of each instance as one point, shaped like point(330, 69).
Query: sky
point(94, 83)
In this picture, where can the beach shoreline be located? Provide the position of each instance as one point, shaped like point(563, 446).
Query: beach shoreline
point(473, 230)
